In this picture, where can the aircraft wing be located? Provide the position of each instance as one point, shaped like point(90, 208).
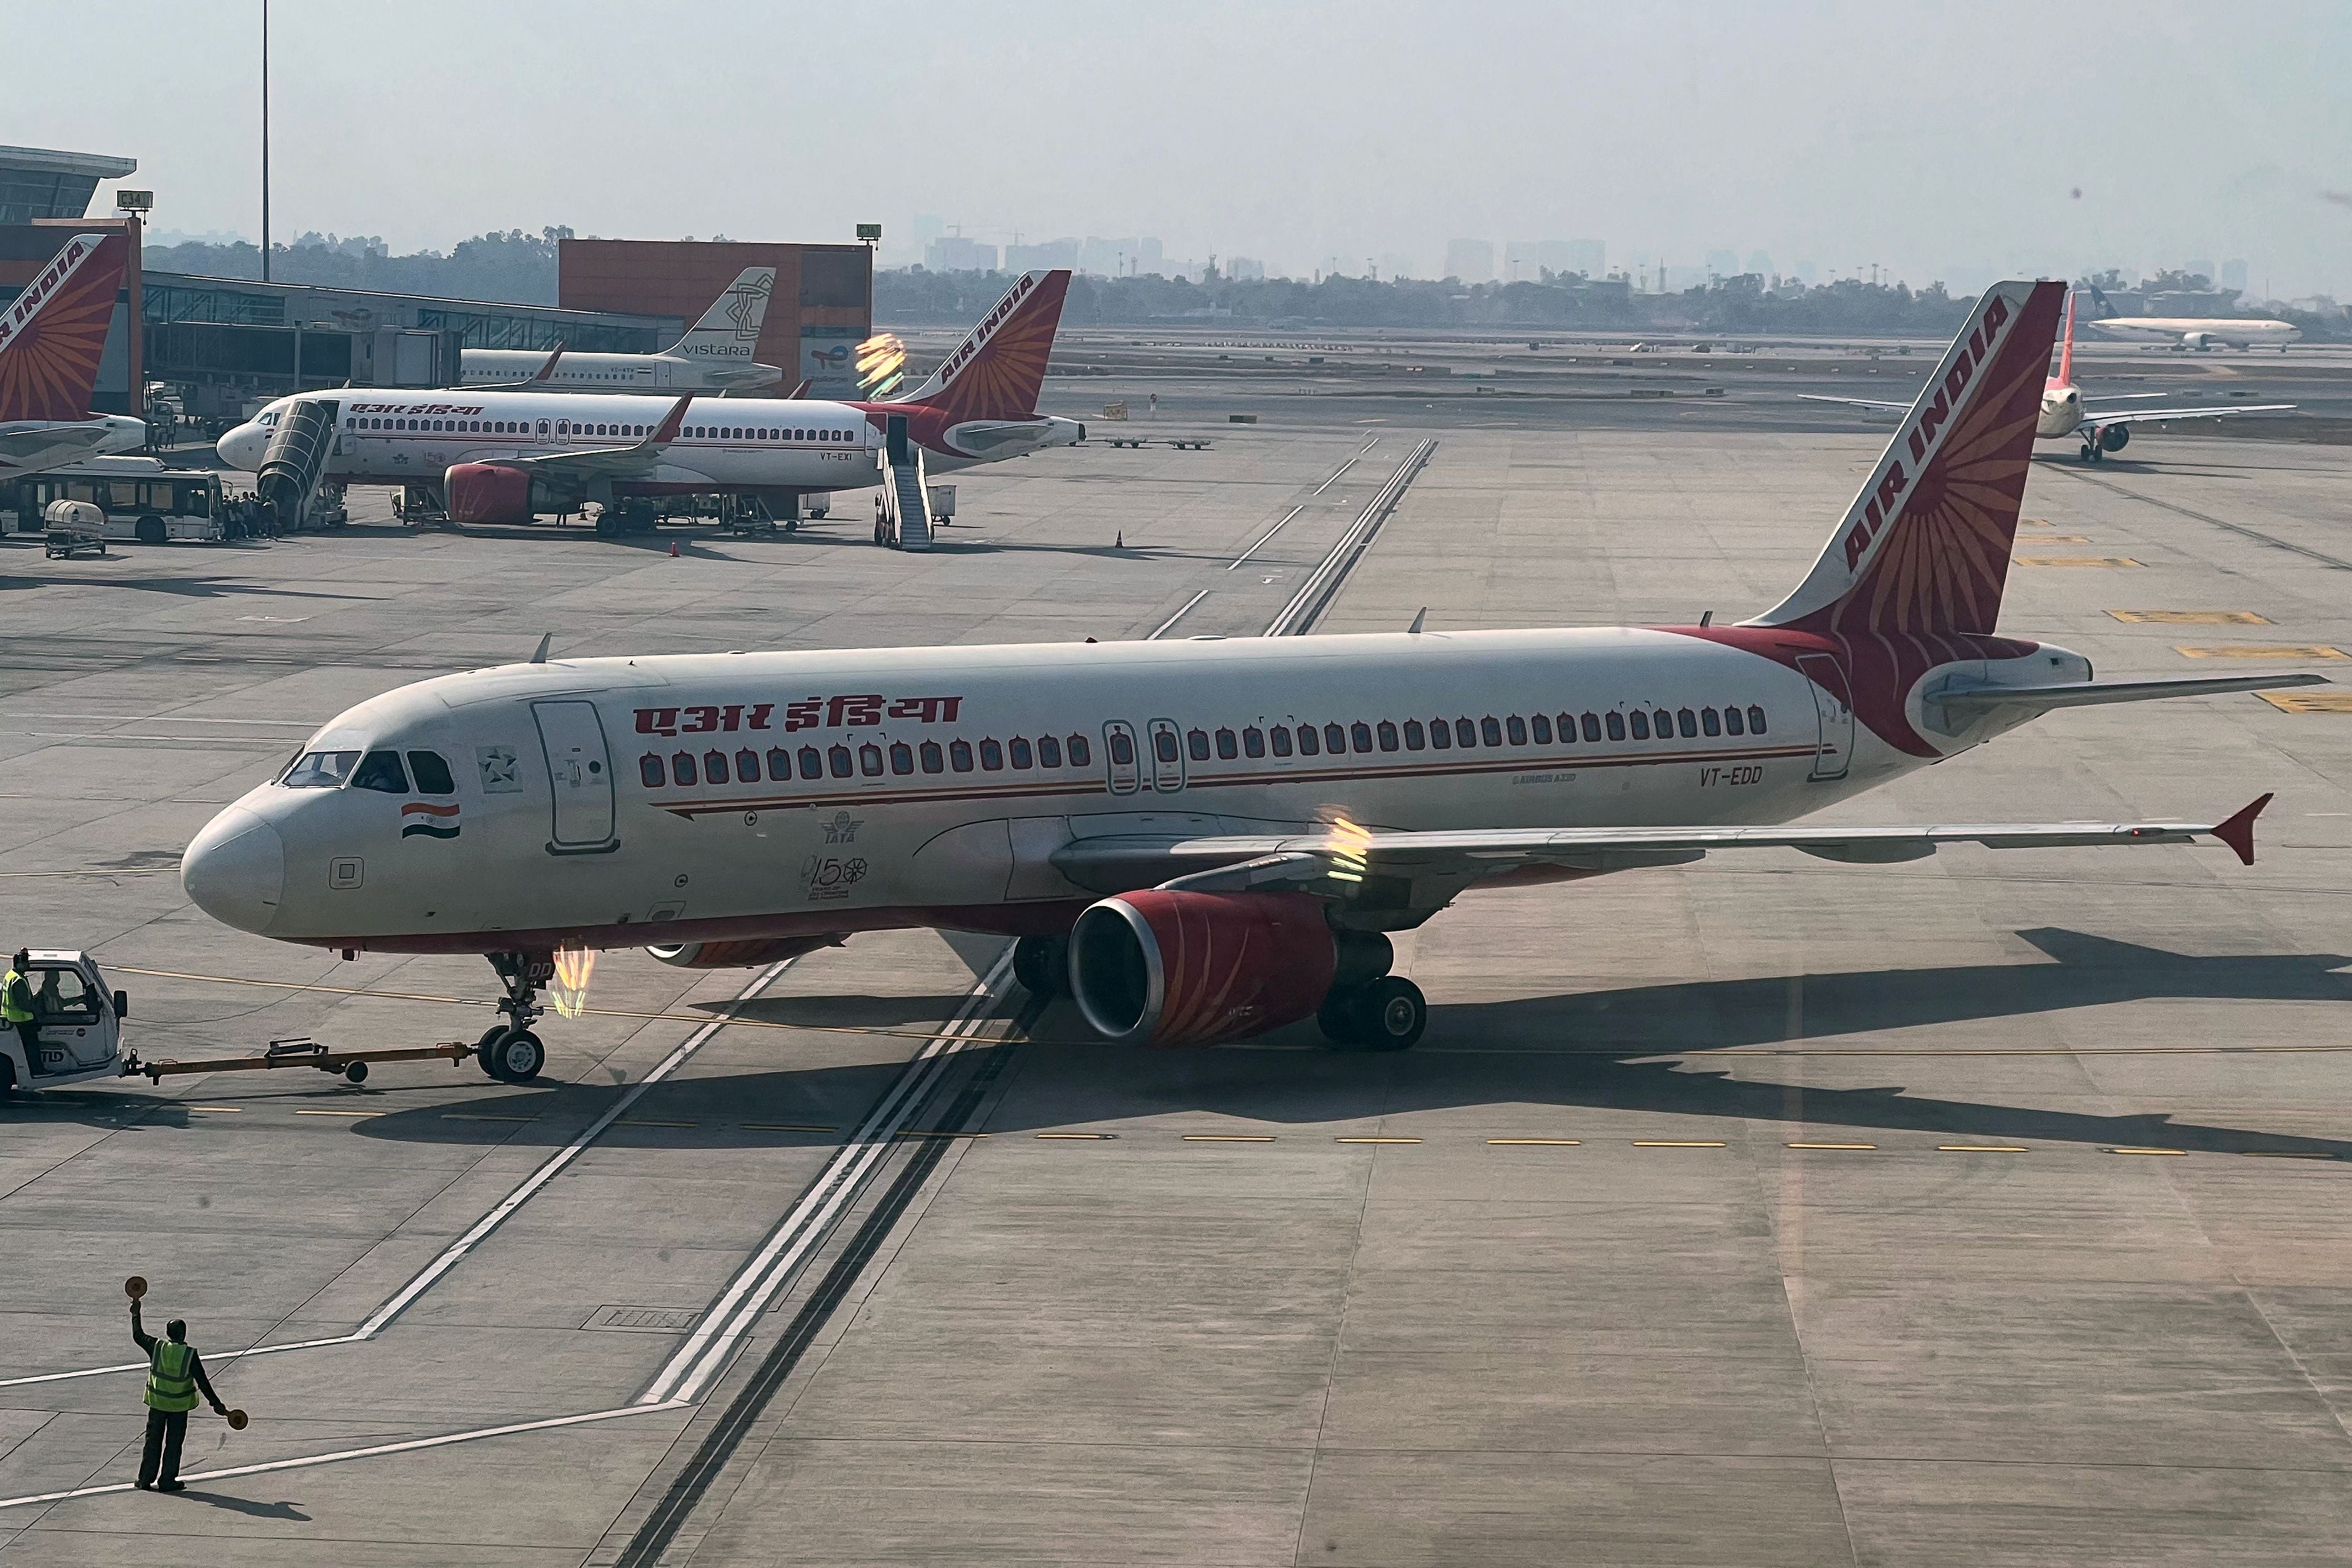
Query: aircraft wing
point(50, 446)
point(2142, 415)
point(1851, 402)
point(1339, 862)
point(610, 462)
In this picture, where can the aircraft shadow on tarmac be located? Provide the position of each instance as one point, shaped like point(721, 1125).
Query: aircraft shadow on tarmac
point(192, 587)
point(1600, 1050)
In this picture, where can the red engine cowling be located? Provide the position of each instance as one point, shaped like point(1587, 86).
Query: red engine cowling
point(488, 492)
point(743, 954)
point(1191, 969)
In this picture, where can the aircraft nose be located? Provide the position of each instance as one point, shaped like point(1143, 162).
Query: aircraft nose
point(235, 870)
point(239, 448)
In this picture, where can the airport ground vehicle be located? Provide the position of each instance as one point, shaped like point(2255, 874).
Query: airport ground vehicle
point(141, 499)
point(79, 1020)
point(1204, 839)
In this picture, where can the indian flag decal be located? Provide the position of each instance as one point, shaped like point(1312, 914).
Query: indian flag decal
point(423, 817)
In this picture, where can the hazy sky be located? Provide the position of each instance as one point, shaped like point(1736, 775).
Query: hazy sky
point(1921, 137)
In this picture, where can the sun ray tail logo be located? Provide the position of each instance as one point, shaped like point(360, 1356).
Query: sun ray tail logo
point(422, 819)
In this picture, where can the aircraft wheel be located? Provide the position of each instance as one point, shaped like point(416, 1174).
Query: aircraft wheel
point(1387, 1014)
point(514, 1056)
point(1042, 964)
point(2089, 452)
point(482, 1053)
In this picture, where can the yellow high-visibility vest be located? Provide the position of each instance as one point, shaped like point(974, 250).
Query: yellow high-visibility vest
point(172, 1376)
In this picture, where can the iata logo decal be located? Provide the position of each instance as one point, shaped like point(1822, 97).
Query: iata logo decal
point(422, 819)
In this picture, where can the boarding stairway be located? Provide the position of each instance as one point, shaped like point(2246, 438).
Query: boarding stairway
point(296, 459)
point(906, 523)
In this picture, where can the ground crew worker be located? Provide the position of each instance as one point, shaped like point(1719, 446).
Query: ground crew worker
point(174, 1377)
point(16, 1007)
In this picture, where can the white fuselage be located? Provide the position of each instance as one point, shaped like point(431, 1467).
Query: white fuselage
point(32, 446)
point(612, 802)
point(615, 373)
point(2202, 331)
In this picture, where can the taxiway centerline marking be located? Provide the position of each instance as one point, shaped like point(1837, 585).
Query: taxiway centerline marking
point(1154, 635)
point(1269, 534)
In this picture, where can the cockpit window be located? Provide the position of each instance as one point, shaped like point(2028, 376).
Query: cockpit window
point(382, 772)
point(432, 774)
point(319, 770)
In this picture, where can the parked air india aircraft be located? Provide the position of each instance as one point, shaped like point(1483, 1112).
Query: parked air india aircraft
point(504, 457)
point(52, 336)
point(1202, 840)
point(715, 355)
point(2064, 415)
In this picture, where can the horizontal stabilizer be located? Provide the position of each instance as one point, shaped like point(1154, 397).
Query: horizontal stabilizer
point(2094, 693)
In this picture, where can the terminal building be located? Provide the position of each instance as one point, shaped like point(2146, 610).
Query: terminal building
point(822, 307)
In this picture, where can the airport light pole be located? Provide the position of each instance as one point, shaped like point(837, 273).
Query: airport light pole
point(265, 152)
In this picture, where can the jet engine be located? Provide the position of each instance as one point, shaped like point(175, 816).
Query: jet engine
point(488, 492)
point(1168, 968)
point(745, 954)
point(2115, 437)
point(2199, 342)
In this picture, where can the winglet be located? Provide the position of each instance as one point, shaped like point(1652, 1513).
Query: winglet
point(797, 392)
point(1420, 619)
point(541, 656)
point(546, 371)
point(2238, 832)
point(668, 428)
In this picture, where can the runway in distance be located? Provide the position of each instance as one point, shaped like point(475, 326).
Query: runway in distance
point(504, 457)
point(1200, 839)
point(52, 336)
point(2065, 412)
point(2199, 333)
point(715, 355)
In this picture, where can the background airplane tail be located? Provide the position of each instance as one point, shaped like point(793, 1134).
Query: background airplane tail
point(2066, 350)
point(53, 334)
point(731, 326)
point(998, 370)
point(1923, 549)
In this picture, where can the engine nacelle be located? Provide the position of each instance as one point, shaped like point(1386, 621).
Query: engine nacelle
point(745, 954)
point(488, 492)
point(1168, 968)
point(2199, 342)
point(2115, 437)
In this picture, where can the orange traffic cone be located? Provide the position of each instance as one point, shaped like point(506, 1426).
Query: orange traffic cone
point(673, 549)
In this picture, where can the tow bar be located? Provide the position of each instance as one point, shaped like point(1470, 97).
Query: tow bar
point(297, 1051)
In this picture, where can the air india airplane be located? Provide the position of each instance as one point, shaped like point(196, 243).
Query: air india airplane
point(2063, 414)
point(505, 457)
point(715, 355)
point(1198, 840)
point(52, 336)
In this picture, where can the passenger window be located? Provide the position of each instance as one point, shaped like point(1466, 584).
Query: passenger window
point(869, 760)
point(1335, 738)
point(780, 764)
point(1686, 722)
point(320, 770)
point(1229, 745)
point(1755, 719)
point(1361, 734)
point(1081, 752)
point(1465, 733)
point(1665, 722)
point(432, 774)
point(960, 755)
point(1640, 723)
point(1732, 724)
point(681, 767)
point(1412, 735)
point(1540, 725)
point(933, 759)
point(1490, 729)
point(1253, 741)
point(1197, 743)
point(1387, 735)
point(837, 759)
point(1616, 726)
point(382, 772)
point(649, 771)
point(1517, 728)
point(1049, 751)
point(714, 767)
point(1592, 726)
point(1021, 759)
point(1122, 750)
point(812, 763)
point(747, 766)
point(902, 757)
point(1308, 745)
point(1708, 722)
point(1441, 734)
point(1164, 745)
point(1281, 736)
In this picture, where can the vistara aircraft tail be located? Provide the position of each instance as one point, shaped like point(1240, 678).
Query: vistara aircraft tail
point(52, 339)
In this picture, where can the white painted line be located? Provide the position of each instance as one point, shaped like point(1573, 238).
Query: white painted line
point(1343, 467)
point(1178, 615)
point(448, 1259)
point(303, 724)
point(1262, 538)
point(705, 1352)
point(412, 1445)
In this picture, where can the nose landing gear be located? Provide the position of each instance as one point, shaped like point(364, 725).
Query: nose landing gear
point(510, 1052)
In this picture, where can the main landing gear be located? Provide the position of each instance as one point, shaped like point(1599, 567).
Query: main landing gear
point(1042, 964)
point(509, 1052)
point(1369, 1008)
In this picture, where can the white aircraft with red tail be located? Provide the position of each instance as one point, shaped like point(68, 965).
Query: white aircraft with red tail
point(1199, 840)
point(52, 337)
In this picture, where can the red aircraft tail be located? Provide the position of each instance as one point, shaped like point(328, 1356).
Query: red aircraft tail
point(53, 334)
point(997, 371)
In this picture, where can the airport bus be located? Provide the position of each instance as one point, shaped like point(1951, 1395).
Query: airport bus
point(142, 497)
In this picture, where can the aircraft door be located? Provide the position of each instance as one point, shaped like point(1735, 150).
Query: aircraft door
point(896, 442)
point(1167, 756)
point(580, 773)
point(1833, 707)
point(1118, 757)
point(542, 429)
